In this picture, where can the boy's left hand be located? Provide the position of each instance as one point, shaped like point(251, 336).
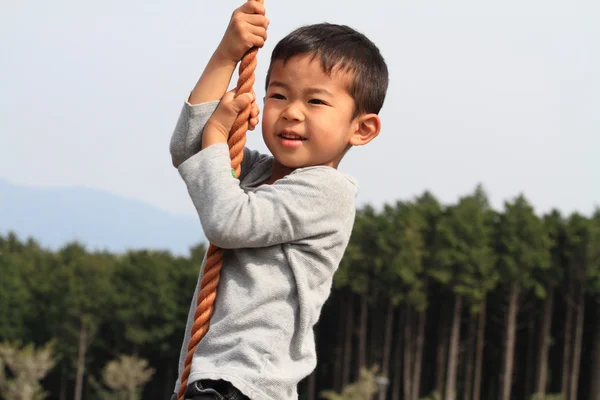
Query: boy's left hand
point(219, 125)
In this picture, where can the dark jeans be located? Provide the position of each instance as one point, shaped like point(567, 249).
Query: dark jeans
point(211, 390)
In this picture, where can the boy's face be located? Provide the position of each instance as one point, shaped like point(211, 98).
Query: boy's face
point(308, 115)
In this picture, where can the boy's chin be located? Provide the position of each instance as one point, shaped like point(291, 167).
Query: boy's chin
point(290, 164)
point(295, 164)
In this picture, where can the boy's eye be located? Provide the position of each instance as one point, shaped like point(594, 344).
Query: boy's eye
point(277, 96)
point(316, 101)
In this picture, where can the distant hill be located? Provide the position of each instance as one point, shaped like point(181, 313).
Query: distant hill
point(98, 219)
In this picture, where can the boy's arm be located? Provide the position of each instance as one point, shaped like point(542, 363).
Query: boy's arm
point(247, 28)
point(311, 202)
point(187, 136)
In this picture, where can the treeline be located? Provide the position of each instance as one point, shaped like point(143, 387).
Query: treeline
point(459, 301)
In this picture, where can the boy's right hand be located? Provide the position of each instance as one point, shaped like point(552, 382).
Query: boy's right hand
point(247, 28)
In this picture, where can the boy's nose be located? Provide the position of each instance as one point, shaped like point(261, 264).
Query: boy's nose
point(292, 113)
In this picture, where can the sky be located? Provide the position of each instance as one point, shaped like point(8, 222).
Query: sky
point(506, 94)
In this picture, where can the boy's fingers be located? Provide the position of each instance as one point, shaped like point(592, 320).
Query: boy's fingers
point(228, 110)
point(255, 111)
point(252, 123)
point(253, 7)
point(241, 102)
point(236, 104)
point(258, 31)
point(257, 20)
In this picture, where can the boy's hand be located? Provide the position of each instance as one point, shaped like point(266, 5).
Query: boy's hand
point(253, 121)
point(219, 125)
point(247, 29)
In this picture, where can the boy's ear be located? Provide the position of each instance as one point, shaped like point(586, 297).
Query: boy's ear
point(367, 129)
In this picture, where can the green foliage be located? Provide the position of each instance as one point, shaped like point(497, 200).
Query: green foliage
point(547, 396)
point(432, 396)
point(137, 302)
point(124, 377)
point(594, 255)
point(522, 245)
point(464, 258)
point(28, 366)
point(143, 297)
point(554, 225)
point(402, 249)
point(363, 389)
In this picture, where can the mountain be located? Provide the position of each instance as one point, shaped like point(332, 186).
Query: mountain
point(98, 219)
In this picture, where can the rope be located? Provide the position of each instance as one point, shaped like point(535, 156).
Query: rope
point(214, 257)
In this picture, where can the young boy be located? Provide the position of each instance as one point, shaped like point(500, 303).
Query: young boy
point(286, 222)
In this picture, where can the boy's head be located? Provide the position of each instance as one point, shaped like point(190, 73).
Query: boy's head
point(340, 47)
point(325, 87)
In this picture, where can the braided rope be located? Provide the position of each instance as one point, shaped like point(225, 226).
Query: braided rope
point(214, 257)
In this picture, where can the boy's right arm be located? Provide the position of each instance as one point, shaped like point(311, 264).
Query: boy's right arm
point(247, 28)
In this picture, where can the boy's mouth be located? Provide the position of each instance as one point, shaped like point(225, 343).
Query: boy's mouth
point(290, 139)
point(288, 135)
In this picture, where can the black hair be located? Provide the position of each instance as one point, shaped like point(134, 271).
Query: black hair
point(340, 46)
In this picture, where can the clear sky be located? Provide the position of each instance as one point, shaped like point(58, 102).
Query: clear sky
point(507, 94)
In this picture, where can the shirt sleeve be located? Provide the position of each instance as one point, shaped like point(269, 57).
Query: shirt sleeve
point(187, 136)
point(309, 202)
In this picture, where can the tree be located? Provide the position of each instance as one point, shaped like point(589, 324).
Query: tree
point(555, 228)
point(16, 303)
point(81, 297)
point(594, 285)
point(126, 376)
point(402, 246)
point(363, 389)
point(578, 260)
point(522, 246)
point(144, 304)
point(364, 263)
point(29, 366)
point(465, 263)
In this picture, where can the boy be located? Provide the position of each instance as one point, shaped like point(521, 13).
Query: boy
point(287, 220)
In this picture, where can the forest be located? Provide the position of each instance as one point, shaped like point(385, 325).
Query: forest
point(438, 301)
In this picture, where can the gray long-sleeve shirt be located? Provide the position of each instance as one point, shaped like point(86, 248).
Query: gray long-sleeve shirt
point(284, 243)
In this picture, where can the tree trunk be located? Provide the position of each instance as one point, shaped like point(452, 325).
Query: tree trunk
point(312, 378)
point(63, 381)
point(169, 372)
point(387, 341)
point(441, 351)
point(577, 347)
point(529, 371)
point(542, 376)
point(387, 345)
point(348, 343)
point(80, 361)
point(566, 362)
point(479, 354)
point(338, 361)
point(408, 345)
point(453, 353)
point(416, 382)
point(469, 359)
point(397, 376)
point(595, 372)
point(509, 343)
point(362, 344)
point(337, 367)
point(312, 385)
point(375, 337)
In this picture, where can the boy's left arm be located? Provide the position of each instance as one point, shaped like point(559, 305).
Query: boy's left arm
point(310, 202)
